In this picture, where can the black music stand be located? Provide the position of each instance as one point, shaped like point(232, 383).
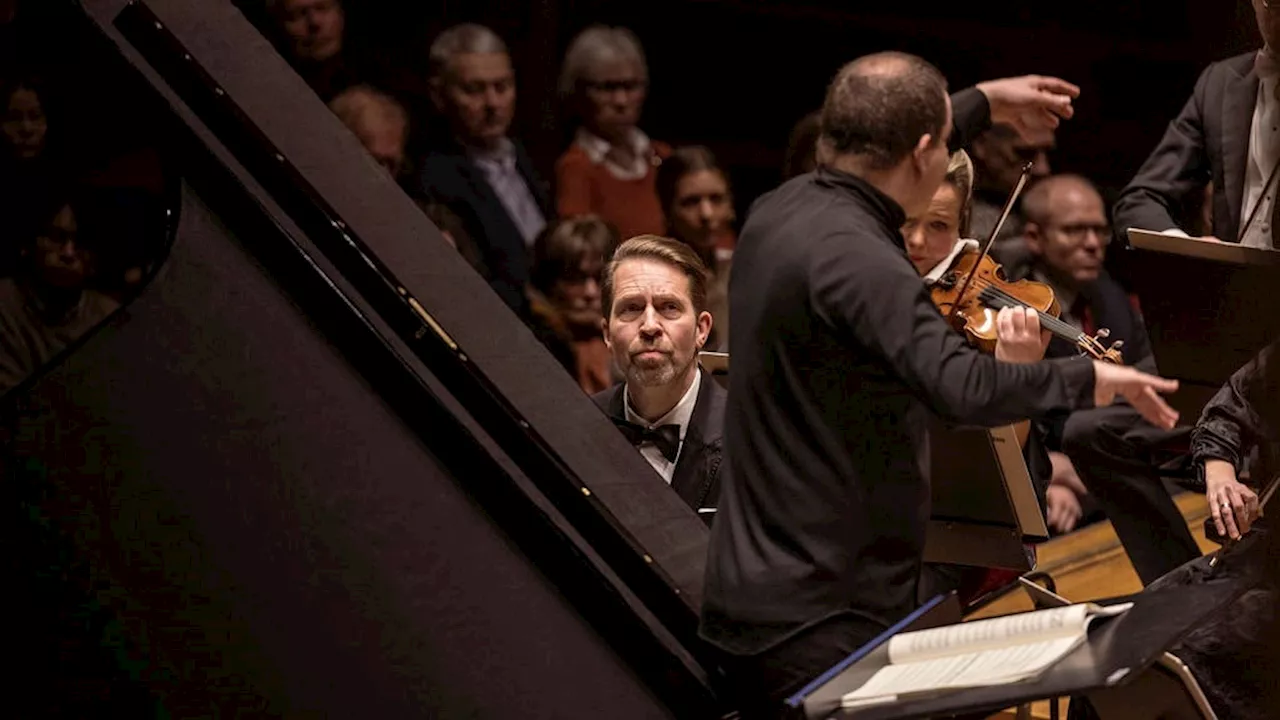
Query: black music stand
point(985, 507)
point(1111, 666)
point(1207, 307)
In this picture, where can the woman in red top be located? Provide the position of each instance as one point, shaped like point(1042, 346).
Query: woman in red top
point(609, 169)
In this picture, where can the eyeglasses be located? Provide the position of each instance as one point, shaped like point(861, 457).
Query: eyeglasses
point(1078, 231)
point(609, 87)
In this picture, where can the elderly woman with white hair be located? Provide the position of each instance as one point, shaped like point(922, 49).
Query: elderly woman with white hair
point(610, 168)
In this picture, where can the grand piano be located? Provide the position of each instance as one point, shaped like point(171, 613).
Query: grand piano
point(315, 467)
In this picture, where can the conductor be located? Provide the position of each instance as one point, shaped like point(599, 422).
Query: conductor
point(839, 356)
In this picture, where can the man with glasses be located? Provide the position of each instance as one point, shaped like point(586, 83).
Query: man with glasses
point(1228, 133)
point(1111, 451)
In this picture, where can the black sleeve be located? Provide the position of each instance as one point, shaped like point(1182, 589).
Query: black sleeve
point(875, 295)
point(1229, 426)
point(970, 116)
point(1178, 167)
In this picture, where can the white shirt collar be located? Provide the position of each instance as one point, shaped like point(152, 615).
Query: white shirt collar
point(597, 148)
point(944, 264)
point(504, 155)
point(680, 415)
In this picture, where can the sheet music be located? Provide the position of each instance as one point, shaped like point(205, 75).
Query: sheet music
point(980, 635)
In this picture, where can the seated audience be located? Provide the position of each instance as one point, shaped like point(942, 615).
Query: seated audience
point(382, 126)
point(480, 172)
point(47, 305)
point(999, 155)
point(313, 33)
point(654, 293)
point(802, 146)
point(609, 169)
point(568, 258)
point(29, 163)
point(698, 204)
point(1112, 450)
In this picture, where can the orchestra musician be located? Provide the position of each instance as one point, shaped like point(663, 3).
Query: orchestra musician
point(839, 353)
point(1227, 138)
point(1227, 133)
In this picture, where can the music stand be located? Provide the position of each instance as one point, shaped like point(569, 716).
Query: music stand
point(1204, 307)
point(1116, 657)
point(985, 507)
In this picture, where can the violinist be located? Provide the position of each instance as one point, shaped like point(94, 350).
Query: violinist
point(839, 354)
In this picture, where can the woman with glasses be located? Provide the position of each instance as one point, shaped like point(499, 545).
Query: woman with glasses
point(610, 167)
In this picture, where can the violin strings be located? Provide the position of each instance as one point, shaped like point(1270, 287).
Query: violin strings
point(1049, 322)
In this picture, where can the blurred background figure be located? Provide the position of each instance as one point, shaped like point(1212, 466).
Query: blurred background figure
point(998, 157)
point(610, 168)
point(568, 260)
point(697, 202)
point(802, 146)
point(29, 163)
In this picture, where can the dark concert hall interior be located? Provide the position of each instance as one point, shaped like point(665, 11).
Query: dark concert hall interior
point(725, 359)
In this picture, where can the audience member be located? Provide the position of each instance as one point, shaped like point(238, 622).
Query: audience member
point(654, 292)
point(313, 33)
point(381, 124)
point(698, 203)
point(568, 258)
point(802, 146)
point(999, 155)
point(29, 165)
point(47, 305)
point(1112, 450)
point(609, 169)
point(481, 173)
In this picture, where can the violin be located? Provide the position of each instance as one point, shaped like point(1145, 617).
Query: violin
point(975, 288)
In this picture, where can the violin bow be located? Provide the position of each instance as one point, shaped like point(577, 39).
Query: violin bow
point(995, 231)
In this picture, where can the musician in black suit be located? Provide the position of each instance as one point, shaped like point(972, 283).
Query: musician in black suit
point(481, 173)
point(654, 294)
point(1228, 133)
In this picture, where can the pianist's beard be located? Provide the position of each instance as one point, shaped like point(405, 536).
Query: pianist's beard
point(655, 366)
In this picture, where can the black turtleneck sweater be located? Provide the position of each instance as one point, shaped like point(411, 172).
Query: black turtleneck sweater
point(838, 357)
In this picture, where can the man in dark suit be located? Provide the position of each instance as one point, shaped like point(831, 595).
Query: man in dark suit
point(1228, 133)
point(1109, 456)
point(479, 172)
point(654, 294)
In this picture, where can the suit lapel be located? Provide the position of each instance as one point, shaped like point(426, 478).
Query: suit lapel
point(1240, 95)
point(690, 471)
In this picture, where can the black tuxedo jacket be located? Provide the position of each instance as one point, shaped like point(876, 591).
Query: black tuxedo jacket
point(698, 468)
point(1209, 140)
point(449, 176)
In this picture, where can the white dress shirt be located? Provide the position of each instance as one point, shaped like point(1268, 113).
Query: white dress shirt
point(500, 170)
point(679, 415)
point(1264, 151)
point(597, 149)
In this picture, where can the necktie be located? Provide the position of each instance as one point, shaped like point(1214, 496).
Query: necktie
point(1081, 311)
point(665, 437)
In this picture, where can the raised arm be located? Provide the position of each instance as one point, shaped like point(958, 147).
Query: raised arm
point(1032, 104)
point(1178, 167)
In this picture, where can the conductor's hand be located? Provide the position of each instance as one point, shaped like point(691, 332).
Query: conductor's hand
point(1032, 104)
point(1140, 389)
point(1019, 338)
point(1233, 505)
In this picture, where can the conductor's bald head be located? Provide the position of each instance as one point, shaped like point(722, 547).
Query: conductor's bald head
point(879, 106)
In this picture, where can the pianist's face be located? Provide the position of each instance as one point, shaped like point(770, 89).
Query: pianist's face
point(653, 330)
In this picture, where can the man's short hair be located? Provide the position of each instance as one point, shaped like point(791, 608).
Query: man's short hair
point(664, 250)
point(560, 249)
point(597, 45)
point(1037, 203)
point(464, 39)
point(880, 105)
point(361, 105)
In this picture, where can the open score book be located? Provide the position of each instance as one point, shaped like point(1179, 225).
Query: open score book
point(983, 652)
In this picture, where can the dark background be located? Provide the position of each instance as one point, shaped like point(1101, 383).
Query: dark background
point(737, 74)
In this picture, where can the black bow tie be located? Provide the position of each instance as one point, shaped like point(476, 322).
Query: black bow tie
point(665, 437)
